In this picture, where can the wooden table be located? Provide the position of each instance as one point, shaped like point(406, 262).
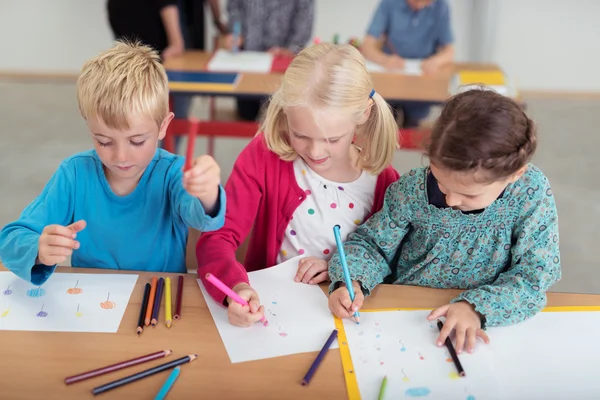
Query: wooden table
point(34, 364)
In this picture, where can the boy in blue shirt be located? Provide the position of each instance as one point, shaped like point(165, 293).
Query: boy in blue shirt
point(410, 29)
point(125, 204)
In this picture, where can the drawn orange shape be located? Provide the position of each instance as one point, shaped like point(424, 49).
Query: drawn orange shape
point(107, 305)
point(74, 290)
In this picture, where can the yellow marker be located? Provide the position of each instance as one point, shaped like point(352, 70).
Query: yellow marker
point(168, 309)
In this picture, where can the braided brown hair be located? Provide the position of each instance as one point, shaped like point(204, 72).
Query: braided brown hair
point(481, 130)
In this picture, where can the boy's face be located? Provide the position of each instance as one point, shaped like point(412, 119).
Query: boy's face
point(419, 4)
point(126, 153)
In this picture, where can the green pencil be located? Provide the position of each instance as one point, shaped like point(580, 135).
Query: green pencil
point(383, 386)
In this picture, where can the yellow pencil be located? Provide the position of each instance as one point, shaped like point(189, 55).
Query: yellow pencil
point(168, 310)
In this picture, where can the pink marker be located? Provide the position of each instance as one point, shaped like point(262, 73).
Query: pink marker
point(228, 292)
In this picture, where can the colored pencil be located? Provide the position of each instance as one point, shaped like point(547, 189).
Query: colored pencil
point(151, 301)
point(382, 389)
point(320, 356)
point(179, 297)
point(157, 301)
point(140, 327)
point(340, 247)
point(228, 292)
point(236, 32)
point(189, 156)
point(162, 393)
point(168, 318)
point(115, 367)
point(143, 374)
point(452, 352)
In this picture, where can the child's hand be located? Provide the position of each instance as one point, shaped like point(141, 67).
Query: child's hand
point(202, 181)
point(57, 242)
point(240, 315)
point(464, 320)
point(229, 42)
point(312, 270)
point(341, 305)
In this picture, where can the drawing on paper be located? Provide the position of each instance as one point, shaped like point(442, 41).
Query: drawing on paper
point(42, 313)
point(108, 305)
point(5, 313)
point(78, 313)
point(402, 347)
point(7, 292)
point(421, 356)
point(36, 292)
point(405, 377)
point(75, 289)
point(417, 392)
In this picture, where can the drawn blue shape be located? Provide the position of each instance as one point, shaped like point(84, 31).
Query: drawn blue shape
point(273, 302)
point(417, 392)
point(377, 336)
point(37, 292)
point(470, 397)
point(403, 349)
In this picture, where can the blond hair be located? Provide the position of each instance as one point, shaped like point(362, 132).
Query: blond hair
point(328, 77)
point(122, 82)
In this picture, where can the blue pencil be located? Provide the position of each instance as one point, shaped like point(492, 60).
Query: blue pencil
point(338, 242)
point(237, 31)
point(162, 393)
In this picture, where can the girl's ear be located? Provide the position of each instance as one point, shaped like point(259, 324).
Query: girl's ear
point(365, 117)
point(517, 175)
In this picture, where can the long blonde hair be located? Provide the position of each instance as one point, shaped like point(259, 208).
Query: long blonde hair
point(333, 77)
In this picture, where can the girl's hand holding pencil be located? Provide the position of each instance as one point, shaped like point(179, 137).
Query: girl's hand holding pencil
point(240, 315)
point(464, 320)
point(341, 305)
point(202, 181)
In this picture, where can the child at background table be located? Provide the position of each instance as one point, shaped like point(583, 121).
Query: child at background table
point(322, 158)
point(479, 218)
point(125, 204)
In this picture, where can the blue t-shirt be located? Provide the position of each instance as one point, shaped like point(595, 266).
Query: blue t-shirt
point(145, 230)
point(413, 34)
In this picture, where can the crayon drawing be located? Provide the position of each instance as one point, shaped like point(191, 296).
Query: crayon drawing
point(75, 289)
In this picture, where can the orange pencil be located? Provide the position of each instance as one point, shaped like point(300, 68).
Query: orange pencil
point(151, 301)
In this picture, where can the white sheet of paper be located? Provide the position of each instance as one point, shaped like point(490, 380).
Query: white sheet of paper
point(411, 67)
point(241, 61)
point(65, 302)
point(298, 315)
point(401, 345)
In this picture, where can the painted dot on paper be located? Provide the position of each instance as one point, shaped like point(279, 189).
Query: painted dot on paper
point(303, 172)
point(311, 211)
point(357, 222)
point(293, 232)
point(341, 188)
point(301, 251)
point(351, 205)
point(333, 205)
point(283, 253)
point(326, 251)
point(308, 192)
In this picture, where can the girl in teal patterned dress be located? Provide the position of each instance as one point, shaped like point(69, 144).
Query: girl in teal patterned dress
point(479, 218)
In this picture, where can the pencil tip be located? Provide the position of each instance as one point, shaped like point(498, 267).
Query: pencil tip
point(168, 352)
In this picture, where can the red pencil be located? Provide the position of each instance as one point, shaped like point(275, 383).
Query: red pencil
point(117, 366)
point(179, 296)
point(189, 157)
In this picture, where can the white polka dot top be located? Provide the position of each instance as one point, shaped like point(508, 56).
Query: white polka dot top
point(310, 232)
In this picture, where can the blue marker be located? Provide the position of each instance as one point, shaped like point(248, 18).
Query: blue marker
point(162, 393)
point(237, 31)
point(338, 241)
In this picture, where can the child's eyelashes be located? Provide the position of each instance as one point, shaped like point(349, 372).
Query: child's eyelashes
point(137, 144)
point(103, 144)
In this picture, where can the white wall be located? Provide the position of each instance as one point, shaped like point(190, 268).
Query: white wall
point(543, 44)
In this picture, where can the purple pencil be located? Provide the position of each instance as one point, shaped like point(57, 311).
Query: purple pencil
point(320, 356)
point(157, 300)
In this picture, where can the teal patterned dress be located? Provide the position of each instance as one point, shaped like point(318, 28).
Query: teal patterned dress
point(506, 257)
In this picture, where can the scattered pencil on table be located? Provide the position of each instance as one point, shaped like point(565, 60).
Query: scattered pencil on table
point(143, 374)
point(157, 301)
point(168, 318)
point(340, 247)
point(140, 327)
point(320, 356)
point(228, 292)
point(115, 367)
point(162, 393)
point(452, 352)
point(151, 301)
point(179, 297)
point(382, 388)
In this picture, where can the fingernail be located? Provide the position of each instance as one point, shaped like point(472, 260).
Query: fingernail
point(354, 308)
point(439, 344)
point(297, 279)
point(74, 235)
point(76, 245)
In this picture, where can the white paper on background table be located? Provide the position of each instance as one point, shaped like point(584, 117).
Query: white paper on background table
point(401, 345)
point(552, 356)
point(298, 315)
point(241, 61)
point(65, 302)
point(411, 67)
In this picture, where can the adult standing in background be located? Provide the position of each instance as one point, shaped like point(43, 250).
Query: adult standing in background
point(193, 24)
point(282, 27)
point(410, 29)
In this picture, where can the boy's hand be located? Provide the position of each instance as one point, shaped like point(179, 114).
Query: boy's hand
point(57, 242)
point(240, 315)
point(312, 270)
point(202, 181)
point(464, 320)
point(341, 305)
